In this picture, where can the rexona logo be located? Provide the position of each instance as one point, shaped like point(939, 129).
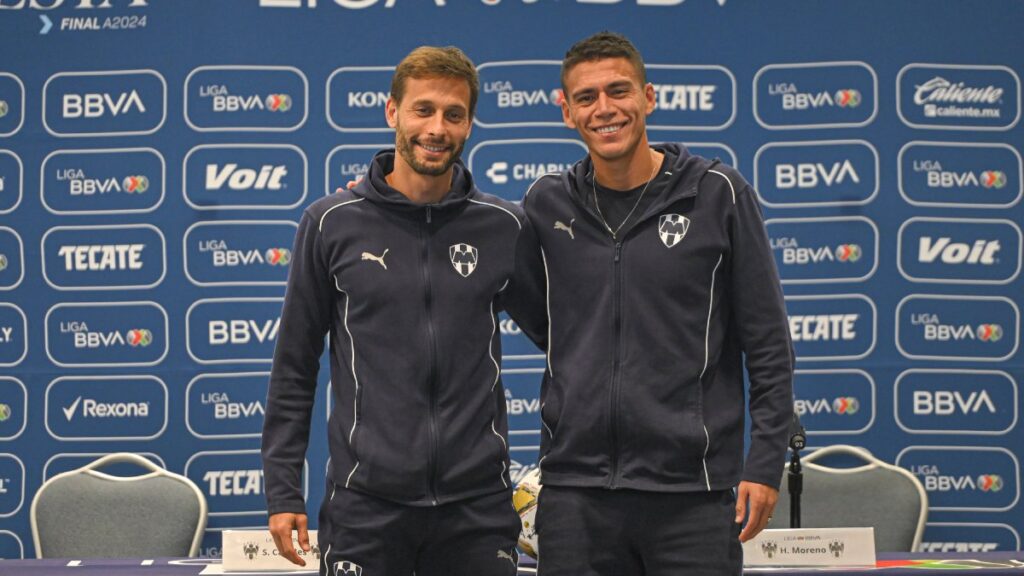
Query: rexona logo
point(225, 330)
point(232, 481)
point(12, 259)
point(816, 174)
point(239, 253)
point(959, 250)
point(90, 334)
point(123, 181)
point(958, 97)
point(104, 257)
point(246, 98)
point(522, 401)
point(12, 103)
point(350, 162)
point(226, 405)
point(841, 327)
point(515, 345)
point(519, 93)
point(507, 168)
point(959, 174)
point(114, 103)
point(13, 341)
point(815, 95)
point(106, 408)
point(956, 401)
point(11, 180)
point(824, 250)
point(356, 96)
point(245, 176)
point(968, 537)
point(947, 327)
point(692, 97)
point(965, 478)
point(834, 401)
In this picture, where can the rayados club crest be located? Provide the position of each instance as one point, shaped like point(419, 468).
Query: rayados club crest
point(464, 258)
point(672, 228)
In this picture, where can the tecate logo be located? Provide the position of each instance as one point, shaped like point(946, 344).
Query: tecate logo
point(234, 482)
point(684, 97)
point(823, 327)
point(102, 257)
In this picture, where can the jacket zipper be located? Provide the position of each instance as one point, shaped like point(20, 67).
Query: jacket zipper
point(616, 362)
point(432, 374)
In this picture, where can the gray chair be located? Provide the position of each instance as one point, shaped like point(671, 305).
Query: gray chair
point(86, 513)
point(877, 494)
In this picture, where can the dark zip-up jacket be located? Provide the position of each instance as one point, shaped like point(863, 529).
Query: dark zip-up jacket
point(644, 386)
point(409, 295)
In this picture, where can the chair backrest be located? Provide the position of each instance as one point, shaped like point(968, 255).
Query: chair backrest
point(85, 513)
point(877, 494)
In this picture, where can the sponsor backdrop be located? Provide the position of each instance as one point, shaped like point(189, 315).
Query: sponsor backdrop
point(155, 156)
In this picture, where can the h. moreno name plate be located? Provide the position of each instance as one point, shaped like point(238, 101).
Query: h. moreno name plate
point(811, 547)
point(255, 551)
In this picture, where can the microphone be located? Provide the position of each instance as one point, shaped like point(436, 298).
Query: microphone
point(797, 442)
point(797, 434)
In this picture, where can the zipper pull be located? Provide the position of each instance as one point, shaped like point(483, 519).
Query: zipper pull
point(618, 251)
point(428, 214)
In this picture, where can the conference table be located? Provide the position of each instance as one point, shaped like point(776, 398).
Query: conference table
point(983, 564)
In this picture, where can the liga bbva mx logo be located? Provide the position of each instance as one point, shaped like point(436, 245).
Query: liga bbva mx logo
point(464, 258)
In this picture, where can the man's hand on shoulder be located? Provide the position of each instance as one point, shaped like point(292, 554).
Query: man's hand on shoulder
point(348, 185)
point(755, 502)
point(281, 526)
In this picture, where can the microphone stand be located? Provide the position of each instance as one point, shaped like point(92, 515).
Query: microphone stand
point(797, 442)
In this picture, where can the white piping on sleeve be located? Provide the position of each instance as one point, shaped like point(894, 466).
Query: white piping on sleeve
point(497, 376)
point(320, 228)
point(547, 298)
point(355, 379)
point(707, 333)
point(518, 223)
point(727, 180)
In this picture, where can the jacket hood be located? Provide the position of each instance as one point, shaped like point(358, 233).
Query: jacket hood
point(376, 189)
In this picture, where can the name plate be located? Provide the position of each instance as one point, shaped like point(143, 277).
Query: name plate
point(811, 547)
point(255, 551)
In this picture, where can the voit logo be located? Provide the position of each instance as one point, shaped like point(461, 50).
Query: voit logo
point(104, 257)
point(509, 167)
point(356, 96)
point(958, 97)
point(805, 254)
point(692, 97)
point(518, 470)
point(982, 402)
point(834, 401)
point(106, 408)
point(815, 95)
point(103, 181)
point(949, 327)
point(959, 250)
point(519, 93)
point(832, 327)
point(816, 174)
point(114, 103)
point(226, 405)
point(106, 334)
point(241, 253)
point(225, 330)
point(232, 481)
point(954, 174)
point(245, 176)
point(245, 98)
point(965, 478)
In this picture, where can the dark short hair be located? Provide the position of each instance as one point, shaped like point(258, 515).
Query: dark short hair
point(436, 62)
point(599, 47)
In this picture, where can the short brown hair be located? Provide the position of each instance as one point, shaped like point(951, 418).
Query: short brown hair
point(433, 62)
point(599, 47)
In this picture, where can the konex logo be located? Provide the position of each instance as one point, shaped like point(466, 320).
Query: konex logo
point(990, 483)
point(139, 337)
point(846, 405)
point(279, 256)
point(990, 332)
point(848, 98)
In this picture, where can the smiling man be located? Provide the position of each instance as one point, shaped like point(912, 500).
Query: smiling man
point(661, 282)
point(406, 272)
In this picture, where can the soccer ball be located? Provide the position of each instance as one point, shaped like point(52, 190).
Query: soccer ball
point(524, 499)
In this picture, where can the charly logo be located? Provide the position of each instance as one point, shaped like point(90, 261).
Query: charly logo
point(805, 254)
point(980, 328)
point(816, 174)
point(246, 98)
point(960, 478)
point(692, 97)
point(106, 407)
point(958, 97)
point(94, 334)
point(519, 93)
point(114, 103)
point(238, 253)
point(511, 166)
point(245, 176)
point(960, 174)
point(356, 96)
point(815, 95)
point(959, 250)
point(981, 402)
point(104, 257)
point(116, 181)
point(672, 228)
point(464, 258)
